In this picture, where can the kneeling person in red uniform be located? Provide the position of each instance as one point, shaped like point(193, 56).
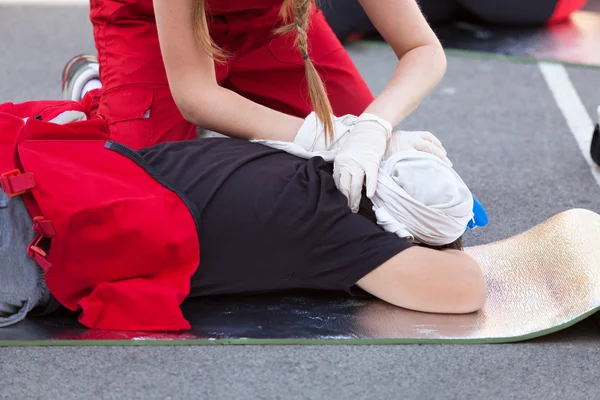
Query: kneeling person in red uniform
point(250, 69)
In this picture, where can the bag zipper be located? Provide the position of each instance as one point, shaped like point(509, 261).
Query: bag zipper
point(139, 160)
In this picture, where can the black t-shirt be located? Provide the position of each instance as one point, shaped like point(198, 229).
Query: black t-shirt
point(267, 220)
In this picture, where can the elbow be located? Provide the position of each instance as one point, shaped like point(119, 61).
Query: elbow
point(443, 60)
point(474, 300)
point(189, 109)
point(431, 59)
point(186, 110)
point(194, 105)
point(439, 60)
point(471, 293)
point(434, 57)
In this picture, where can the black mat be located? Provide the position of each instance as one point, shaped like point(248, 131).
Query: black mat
point(575, 42)
point(272, 320)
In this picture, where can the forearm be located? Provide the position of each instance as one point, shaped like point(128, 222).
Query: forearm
point(224, 111)
point(417, 73)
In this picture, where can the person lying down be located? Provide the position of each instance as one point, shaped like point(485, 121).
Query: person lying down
point(273, 221)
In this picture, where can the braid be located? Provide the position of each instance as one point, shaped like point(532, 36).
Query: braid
point(296, 15)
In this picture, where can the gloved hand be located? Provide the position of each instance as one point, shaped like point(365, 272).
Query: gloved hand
point(311, 136)
point(359, 157)
point(417, 140)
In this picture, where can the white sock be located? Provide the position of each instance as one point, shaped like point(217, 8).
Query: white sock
point(90, 85)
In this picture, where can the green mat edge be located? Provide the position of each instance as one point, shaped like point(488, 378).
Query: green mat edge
point(291, 342)
point(486, 55)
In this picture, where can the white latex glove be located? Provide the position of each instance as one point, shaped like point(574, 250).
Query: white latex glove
point(359, 158)
point(417, 140)
point(311, 136)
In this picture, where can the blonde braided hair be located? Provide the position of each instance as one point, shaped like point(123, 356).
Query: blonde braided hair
point(295, 14)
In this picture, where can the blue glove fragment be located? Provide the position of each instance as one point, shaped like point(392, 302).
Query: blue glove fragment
point(480, 217)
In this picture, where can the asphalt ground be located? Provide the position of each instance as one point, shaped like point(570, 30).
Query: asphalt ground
point(509, 140)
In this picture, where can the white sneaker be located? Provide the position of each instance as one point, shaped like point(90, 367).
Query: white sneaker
point(78, 71)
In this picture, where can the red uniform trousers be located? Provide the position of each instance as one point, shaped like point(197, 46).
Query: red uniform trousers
point(135, 99)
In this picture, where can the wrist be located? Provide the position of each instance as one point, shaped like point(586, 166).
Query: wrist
point(308, 132)
point(296, 125)
point(382, 125)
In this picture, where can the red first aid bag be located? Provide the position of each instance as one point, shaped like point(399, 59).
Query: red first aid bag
point(114, 243)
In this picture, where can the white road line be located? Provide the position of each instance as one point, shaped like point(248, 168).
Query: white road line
point(569, 102)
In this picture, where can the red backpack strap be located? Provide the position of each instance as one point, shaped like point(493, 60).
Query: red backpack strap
point(14, 183)
point(35, 251)
point(43, 229)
